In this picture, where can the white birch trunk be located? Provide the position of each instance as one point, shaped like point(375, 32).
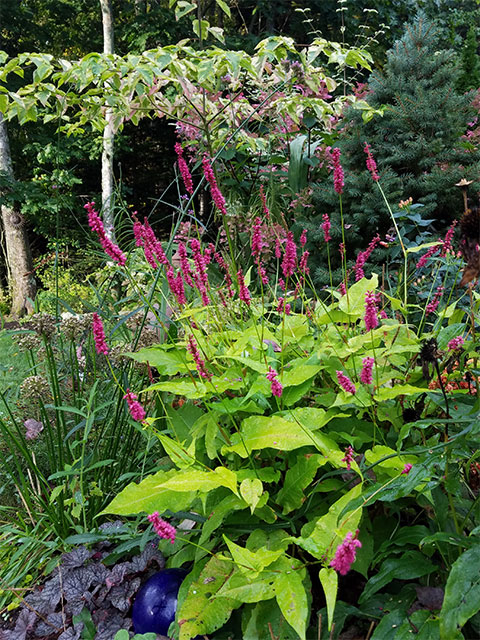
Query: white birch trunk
point(17, 250)
point(108, 132)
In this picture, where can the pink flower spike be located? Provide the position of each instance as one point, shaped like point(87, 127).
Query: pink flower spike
point(434, 302)
point(338, 176)
point(192, 348)
point(406, 469)
point(447, 241)
point(366, 375)
point(345, 382)
point(289, 261)
point(257, 241)
point(136, 410)
point(217, 196)
point(303, 238)
point(455, 343)
point(371, 164)
point(161, 527)
point(424, 259)
point(243, 292)
point(370, 317)
point(345, 554)
point(184, 170)
point(348, 459)
point(326, 225)
point(276, 387)
point(110, 248)
point(99, 335)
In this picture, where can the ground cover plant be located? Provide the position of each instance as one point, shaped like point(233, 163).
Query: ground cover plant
point(308, 456)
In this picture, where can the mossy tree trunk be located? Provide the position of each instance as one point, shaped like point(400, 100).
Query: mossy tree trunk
point(17, 249)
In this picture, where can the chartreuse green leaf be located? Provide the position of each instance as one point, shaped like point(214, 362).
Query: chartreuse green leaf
point(299, 373)
point(249, 588)
point(329, 579)
point(261, 432)
point(324, 534)
point(462, 593)
point(251, 490)
point(252, 563)
point(178, 453)
point(181, 387)
point(150, 495)
point(201, 612)
point(202, 481)
point(354, 302)
point(167, 361)
point(292, 600)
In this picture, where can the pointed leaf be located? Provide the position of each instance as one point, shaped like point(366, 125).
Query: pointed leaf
point(292, 600)
point(329, 580)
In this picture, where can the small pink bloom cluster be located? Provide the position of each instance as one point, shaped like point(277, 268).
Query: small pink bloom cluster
point(303, 238)
point(217, 195)
point(163, 529)
point(433, 304)
point(96, 225)
point(370, 318)
point(363, 256)
point(176, 286)
point(289, 261)
point(371, 164)
point(447, 241)
point(326, 226)
point(200, 276)
point(184, 170)
point(346, 553)
point(281, 307)
point(145, 237)
point(345, 382)
point(348, 459)
point(276, 387)
point(99, 335)
point(338, 176)
point(192, 348)
point(184, 264)
point(302, 265)
point(257, 240)
point(426, 256)
point(455, 343)
point(406, 469)
point(243, 292)
point(366, 375)
point(136, 410)
point(342, 288)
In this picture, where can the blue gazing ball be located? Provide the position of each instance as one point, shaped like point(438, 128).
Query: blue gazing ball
point(156, 602)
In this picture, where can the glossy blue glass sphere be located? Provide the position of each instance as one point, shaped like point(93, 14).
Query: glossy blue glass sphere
point(156, 602)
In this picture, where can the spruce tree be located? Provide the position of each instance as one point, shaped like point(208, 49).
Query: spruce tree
point(417, 145)
point(470, 75)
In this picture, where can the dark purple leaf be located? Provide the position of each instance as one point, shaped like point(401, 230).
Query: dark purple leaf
point(72, 633)
point(76, 558)
point(111, 527)
point(148, 555)
point(109, 624)
point(45, 600)
point(23, 625)
point(117, 574)
point(120, 596)
point(55, 622)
